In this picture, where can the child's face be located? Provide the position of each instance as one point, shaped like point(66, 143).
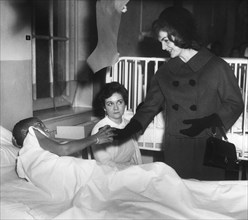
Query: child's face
point(22, 131)
point(41, 126)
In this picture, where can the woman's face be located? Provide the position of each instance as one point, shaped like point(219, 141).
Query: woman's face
point(168, 45)
point(115, 107)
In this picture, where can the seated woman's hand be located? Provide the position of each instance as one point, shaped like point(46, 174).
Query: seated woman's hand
point(104, 135)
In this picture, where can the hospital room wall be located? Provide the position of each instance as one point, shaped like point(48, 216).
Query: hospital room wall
point(222, 21)
point(16, 67)
point(16, 100)
point(15, 64)
point(136, 24)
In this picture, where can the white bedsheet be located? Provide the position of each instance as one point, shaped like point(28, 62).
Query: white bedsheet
point(154, 191)
point(148, 191)
point(22, 200)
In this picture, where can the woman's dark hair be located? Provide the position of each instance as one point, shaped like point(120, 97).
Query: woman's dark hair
point(109, 89)
point(20, 129)
point(180, 23)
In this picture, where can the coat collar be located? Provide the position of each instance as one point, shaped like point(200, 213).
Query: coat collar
point(195, 63)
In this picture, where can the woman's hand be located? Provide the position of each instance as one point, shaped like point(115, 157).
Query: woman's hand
point(199, 124)
point(104, 135)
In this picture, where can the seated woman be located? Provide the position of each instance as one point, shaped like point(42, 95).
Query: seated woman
point(113, 99)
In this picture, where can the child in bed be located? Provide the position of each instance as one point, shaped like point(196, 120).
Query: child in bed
point(113, 99)
point(47, 142)
point(147, 191)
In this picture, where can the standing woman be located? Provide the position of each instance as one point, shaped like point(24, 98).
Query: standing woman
point(113, 98)
point(197, 89)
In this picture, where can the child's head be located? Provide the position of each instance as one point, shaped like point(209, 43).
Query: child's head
point(20, 129)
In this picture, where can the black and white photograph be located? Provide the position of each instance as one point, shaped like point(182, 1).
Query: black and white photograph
point(124, 109)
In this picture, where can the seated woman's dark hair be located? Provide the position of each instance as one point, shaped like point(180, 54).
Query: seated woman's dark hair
point(109, 89)
point(180, 23)
point(20, 129)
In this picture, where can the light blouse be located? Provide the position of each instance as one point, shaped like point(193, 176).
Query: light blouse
point(115, 154)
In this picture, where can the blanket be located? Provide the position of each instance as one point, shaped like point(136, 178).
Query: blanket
point(147, 191)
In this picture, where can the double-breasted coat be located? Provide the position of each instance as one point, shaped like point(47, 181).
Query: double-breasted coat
point(202, 86)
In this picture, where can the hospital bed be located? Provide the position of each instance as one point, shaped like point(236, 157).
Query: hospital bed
point(135, 72)
point(148, 191)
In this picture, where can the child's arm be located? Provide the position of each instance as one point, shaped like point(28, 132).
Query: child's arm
point(104, 135)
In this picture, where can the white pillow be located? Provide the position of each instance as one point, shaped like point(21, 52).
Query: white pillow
point(8, 151)
point(8, 155)
point(6, 136)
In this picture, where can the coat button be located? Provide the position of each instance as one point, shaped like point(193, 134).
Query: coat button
point(193, 108)
point(175, 83)
point(192, 82)
point(175, 107)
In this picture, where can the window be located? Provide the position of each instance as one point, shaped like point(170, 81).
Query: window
point(52, 46)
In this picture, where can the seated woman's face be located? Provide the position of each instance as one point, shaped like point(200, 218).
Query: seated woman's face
point(115, 107)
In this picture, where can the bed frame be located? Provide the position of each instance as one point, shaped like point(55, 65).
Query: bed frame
point(135, 72)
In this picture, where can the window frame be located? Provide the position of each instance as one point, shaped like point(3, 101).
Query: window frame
point(65, 99)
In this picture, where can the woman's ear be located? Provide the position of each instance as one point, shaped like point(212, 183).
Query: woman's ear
point(105, 111)
point(173, 38)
